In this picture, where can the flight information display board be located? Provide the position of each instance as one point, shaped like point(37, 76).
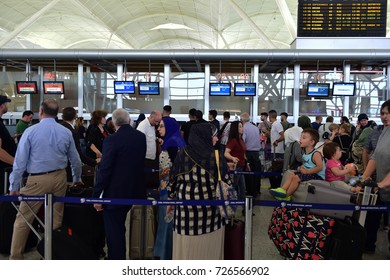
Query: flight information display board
point(342, 18)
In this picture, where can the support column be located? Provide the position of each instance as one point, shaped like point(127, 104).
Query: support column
point(297, 72)
point(206, 90)
point(167, 88)
point(347, 75)
point(255, 100)
point(80, 89)
point(40, 77)
point(28, 76)
point(387, 95)
point(119, 97)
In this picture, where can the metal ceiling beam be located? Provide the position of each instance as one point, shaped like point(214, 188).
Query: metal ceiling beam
point(253, 25)
point(287, 17)
point(21, 27)
point(200, 54)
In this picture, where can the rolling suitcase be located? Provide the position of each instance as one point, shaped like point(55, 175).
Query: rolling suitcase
point(143, 229)
point(297, 234)
point(234, 240)
point(85, 222)
point(67, 246)
point(347, 240)
point(336, 192)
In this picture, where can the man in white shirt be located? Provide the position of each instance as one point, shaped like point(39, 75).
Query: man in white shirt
point(277, 135)
point(251, 138)
point(148, 127)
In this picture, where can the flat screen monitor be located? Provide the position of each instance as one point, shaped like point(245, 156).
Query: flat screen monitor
point(23, 87)
point(124, 87)
point(220, 89)
point(148, 88)
point(245, 89)
point(53, 87)
point(318, 90)
point(344, 89)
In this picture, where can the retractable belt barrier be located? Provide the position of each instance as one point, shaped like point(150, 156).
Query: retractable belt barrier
point(49, 199)
point(265, 203)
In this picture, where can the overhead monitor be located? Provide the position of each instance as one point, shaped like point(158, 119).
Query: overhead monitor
point(220, 89)
point(148, 88)
point(318, 90)
point(23, 87)
point(53, 87)
point(245, 89)
point(344, 89)
point(124, 87)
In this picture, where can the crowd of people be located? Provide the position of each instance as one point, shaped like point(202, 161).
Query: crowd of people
point(52, 154)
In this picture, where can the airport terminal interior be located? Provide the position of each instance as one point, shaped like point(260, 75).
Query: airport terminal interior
point(302, 57)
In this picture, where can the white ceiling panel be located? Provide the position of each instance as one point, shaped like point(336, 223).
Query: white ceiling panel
point(127, 24)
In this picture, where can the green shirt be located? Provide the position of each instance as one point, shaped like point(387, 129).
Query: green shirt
point(21, 126)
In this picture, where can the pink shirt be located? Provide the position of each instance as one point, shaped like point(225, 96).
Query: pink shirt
point(329, 176)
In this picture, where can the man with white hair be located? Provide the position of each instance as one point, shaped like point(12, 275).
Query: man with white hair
point(120, 175)
point(251, 137)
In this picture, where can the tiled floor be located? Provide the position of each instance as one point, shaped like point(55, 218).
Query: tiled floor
point(262, 247)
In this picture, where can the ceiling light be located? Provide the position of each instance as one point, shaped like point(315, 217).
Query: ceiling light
point(171, 26)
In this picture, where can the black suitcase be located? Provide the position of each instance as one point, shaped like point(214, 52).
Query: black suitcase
point(7, 220)
point(67, 246)
point(347, 240)
point(85, 221)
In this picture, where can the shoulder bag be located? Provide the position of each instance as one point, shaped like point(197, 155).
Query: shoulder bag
point(225, 191)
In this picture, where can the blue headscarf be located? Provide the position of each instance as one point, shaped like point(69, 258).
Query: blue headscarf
point(172, 136)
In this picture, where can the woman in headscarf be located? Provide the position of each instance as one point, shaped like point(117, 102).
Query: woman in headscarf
point(169, 130)
point(198, 230)
point(293, 152)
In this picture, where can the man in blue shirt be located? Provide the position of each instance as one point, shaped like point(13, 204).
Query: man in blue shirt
point(43, 153)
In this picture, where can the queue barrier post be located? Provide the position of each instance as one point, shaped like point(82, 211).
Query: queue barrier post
point(48, 225)
point(248, 227)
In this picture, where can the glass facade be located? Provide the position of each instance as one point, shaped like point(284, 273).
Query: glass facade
point(188, 90)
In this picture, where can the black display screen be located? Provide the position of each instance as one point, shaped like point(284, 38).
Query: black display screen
point(342, 18)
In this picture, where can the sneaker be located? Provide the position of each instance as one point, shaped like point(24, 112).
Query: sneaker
point(278, 192)
point(288, 198)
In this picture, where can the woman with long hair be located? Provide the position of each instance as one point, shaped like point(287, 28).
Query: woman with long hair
point(235, 154)
point(96, 133)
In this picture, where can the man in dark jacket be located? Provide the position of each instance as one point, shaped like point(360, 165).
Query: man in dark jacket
point(68, 118)
point(120, 175)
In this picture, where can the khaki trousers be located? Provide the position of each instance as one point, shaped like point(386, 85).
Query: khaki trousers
point(54, 183)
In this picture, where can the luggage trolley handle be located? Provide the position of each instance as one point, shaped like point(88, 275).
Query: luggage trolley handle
point(29, 224)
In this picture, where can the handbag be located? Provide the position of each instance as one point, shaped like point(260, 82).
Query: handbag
point(225, 191)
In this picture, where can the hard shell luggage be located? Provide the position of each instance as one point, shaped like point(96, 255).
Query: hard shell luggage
point(85, 221)
point(234, 240)
point(7, 220)
point(336, 192)
point(67, 246)
point(347, 240)
point(143, 229)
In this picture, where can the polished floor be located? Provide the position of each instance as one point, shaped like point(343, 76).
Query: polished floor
point(262, 246)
